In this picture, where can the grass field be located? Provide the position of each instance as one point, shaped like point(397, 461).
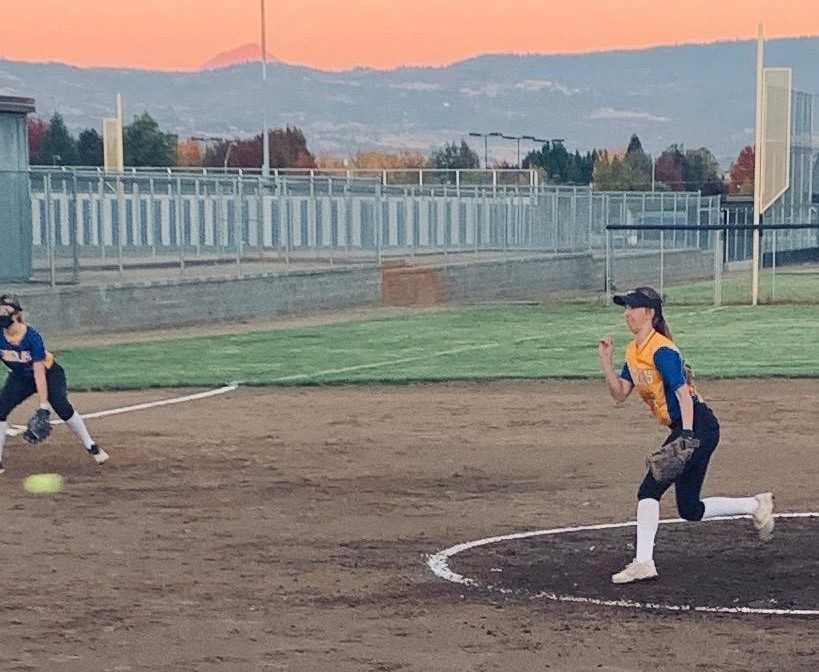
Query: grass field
point(542, 341)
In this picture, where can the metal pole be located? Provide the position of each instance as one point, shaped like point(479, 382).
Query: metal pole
point(239, 229)
point(288, 225)
point(773, 266)
point(760, 61)
point(52, 271)
point(265, 135)
point(151, 214)
point(608, 279)
point(120, 223)
point(180, 232)
point(718, 243)
point(348, 219)
point(74, 237)
point(662, 261)
point(591, 216)
point(574, 220)
point(100, 213)
point(261, 225)
point(378, 215)
point(312, 219)
point(195, 221)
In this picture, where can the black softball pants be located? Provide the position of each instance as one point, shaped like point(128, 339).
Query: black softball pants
point(689, 484)
point(20, 387)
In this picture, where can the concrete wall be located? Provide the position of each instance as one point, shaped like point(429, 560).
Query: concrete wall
point(91, 309)
point(15, 201)
point(519, 279)
point(535, 278)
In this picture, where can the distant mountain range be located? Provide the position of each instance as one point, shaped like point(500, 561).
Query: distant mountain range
point(247, 53)
point(695, 94)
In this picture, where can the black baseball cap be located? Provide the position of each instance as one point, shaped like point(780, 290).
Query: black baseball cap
point(11, 300)
point(642, 297)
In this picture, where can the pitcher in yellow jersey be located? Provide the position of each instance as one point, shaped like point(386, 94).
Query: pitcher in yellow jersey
point(654, 367)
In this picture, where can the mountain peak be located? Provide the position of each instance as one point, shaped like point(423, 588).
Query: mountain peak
point(247, 53)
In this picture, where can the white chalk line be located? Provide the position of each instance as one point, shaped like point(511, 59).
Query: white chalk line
point(16, 430)
point(389, 362)
point(445, 353)
point(439, 564)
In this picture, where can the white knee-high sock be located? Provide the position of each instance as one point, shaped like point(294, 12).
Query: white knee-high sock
point(648, 520)
point(729, 506)
point(77, 425)
point(3, 428)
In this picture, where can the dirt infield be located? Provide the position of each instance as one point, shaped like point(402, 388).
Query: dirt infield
point(287, 529)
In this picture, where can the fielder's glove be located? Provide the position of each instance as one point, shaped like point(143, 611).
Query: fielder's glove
point(39, 427)
point(668, 462)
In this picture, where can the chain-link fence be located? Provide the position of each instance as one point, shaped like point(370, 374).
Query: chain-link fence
point(150, 225)
point(707, 265)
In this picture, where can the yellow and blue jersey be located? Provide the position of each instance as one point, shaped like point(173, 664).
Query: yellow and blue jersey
point(657, 371)
point(20, 356)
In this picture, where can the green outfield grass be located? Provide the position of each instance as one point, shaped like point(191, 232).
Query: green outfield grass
point(553, 340)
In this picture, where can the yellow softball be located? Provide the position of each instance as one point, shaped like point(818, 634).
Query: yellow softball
point(43, 484)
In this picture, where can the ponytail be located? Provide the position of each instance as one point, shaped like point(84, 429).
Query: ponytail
point(660, 325)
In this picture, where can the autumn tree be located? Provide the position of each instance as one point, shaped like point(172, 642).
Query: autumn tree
point(607, 173)
point(37, 131)
point(288, 149)
point(188, 153)
point(741, 178)
point(670, 168)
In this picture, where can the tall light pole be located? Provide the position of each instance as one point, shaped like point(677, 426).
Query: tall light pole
point(265, 136)
point(532, 138)
point(493, 134)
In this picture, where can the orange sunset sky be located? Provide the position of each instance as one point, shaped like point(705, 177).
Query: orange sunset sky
point(339, 34)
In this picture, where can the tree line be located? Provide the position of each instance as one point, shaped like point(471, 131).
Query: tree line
point(146, 144)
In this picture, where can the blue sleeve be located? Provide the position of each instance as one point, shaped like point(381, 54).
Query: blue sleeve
point(36, 346)
point(625, 374)
point(670, 365)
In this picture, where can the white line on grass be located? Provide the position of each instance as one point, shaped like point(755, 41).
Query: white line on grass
point(444, 353)
point(389, 362)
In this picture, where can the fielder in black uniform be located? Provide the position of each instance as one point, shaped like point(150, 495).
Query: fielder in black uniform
point(33, 370)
